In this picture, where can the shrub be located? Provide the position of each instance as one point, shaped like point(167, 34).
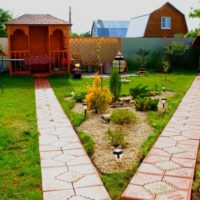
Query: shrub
point(98, 98)
point(154, 60)
point(79, 97)
point(115, 84)
point(139, 91)
point(87, 142)
point(176, 52)
point(122, 116)
point(145, 104)
point(116, 137)
point(133, 64)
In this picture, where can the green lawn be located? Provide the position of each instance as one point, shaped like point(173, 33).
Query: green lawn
point(20, 176)
point(177, 81)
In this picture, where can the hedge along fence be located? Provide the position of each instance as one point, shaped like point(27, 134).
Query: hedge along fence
point(130, 46)
point(86, 47)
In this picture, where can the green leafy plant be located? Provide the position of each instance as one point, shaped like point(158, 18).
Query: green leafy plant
point(147, 103)
point(116, 137)
point(115, 84)
point(79, 97)
point(122, 116)
point(87, 142)
point(139, 91)
point(176, 52)
point(154, 59)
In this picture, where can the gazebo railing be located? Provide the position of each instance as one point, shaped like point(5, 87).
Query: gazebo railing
point(59, 60)
point(17, 61)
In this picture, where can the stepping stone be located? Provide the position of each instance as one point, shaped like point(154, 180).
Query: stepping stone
point(159, 187)
point(69, 176)
point(174, 150)
point(168, 165)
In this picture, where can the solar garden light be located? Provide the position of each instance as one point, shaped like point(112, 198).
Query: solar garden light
point(163, 88)
point(85, 109)
point(72, 93)
point(164, 102)
point(118, 153)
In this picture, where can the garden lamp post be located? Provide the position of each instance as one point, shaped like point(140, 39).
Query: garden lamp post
point(118, 153)
point(164, 102)
point(85, 109)
point(119, 62)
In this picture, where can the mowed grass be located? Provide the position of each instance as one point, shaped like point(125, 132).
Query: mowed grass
point(20, 176)
point(179, 82)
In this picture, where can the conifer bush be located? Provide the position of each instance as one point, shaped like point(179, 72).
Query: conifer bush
point(115, 84)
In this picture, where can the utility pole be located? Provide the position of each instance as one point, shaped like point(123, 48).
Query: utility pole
point(70, 15)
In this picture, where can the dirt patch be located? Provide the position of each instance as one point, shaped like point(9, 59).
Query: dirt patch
point(103, 157)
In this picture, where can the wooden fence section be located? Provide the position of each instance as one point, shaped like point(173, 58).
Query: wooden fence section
point(86, 48)
point(4, 47)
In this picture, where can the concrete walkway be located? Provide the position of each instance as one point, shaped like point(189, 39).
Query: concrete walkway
point(67, 172)
point(167, 171)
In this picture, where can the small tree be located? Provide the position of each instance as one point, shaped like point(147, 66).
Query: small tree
point(143, 53)
point(97, 97)
point(115, 84)
point(166, 66)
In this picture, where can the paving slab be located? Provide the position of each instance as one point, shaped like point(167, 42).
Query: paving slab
point(168, 169)
point(67, 171)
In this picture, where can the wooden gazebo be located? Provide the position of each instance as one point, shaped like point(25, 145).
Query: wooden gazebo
point(38, 44)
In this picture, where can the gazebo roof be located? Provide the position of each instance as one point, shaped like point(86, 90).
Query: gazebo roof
point(37, 19)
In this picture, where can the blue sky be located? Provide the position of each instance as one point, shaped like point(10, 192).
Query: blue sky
point(85, 11)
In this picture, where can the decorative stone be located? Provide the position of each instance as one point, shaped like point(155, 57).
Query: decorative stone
point(159, 187)
point(106, 117)
point(174, 150)
point(168, 165)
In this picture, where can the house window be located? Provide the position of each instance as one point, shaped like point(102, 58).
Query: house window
point(165, 22)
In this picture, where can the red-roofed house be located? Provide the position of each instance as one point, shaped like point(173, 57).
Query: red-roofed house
point(38, 44)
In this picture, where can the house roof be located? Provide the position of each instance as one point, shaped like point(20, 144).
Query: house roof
point(111, 28)
point(37, 19)
point(138, 24)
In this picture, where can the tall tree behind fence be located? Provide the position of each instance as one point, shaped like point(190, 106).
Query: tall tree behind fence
point(86, 48)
